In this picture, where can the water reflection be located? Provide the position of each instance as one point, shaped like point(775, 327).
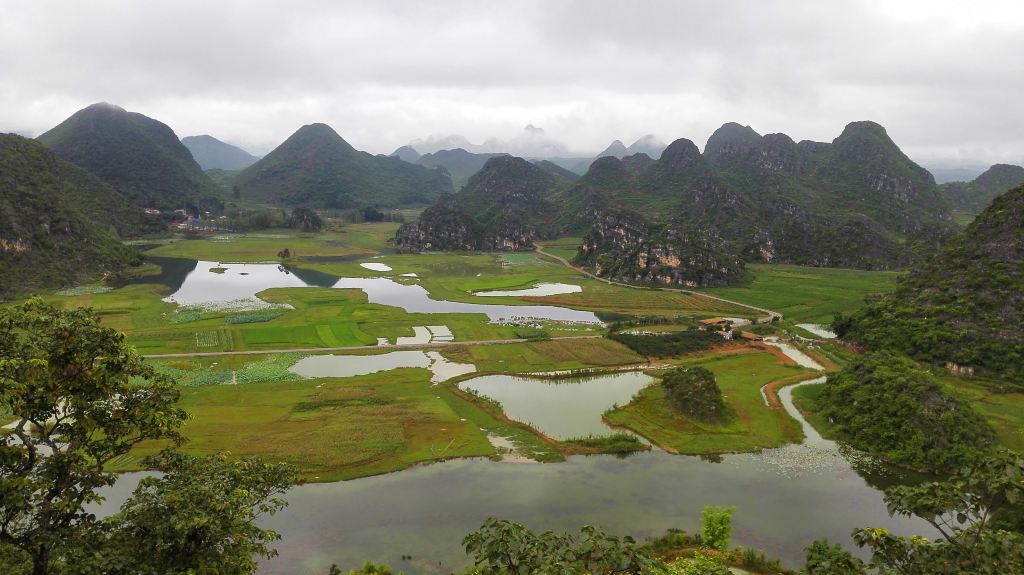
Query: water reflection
point(561, 408)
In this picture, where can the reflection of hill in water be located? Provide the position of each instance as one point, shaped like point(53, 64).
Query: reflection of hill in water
point(314, 278)
point(173, 272)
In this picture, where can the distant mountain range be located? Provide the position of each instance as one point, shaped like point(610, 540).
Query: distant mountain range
point(462, 163)
point(213, 154)
point(59, 224)
point(963, 307)
point(532, 142)
point(971, 198)
point(316, 168)
point(139, 156)
point(855, 202)
point(459, 163)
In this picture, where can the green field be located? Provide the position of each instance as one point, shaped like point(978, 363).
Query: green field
point(550, 355)
point(806, 294)
point(337, 428)
point(740, 376)
point(264, 246)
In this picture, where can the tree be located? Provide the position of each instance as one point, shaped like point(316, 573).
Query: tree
point(80, 398)
point(199, 517)
point(890, 406)
point(825, 559)
point(716, 527)
point(305, 219)
point(694, 391)
point(504, 547)
point(961, 509)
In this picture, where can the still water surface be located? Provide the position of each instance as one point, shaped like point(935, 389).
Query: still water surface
point(562, 408)
point(241, 282)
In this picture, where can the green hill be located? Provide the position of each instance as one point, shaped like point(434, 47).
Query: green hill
point(459, 163)
point(316, 168)
point(965, 305)
point(971, 198)
point(856, 202)
point(213, 154)
point(58, 223)
point(139, 156)
point(508, 201)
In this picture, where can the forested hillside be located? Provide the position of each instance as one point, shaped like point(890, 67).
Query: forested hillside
point(59, 224)
point(139, 156)
point(965, 305)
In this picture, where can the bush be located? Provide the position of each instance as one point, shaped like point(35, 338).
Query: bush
point(699, 564)
point(716, 527)
point(824, 559)
point(694, 391)
point(890, 406)
point(668, 345)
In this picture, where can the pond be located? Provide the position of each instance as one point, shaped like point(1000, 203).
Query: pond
point(213, 284)
point(560, 408)
point(416, 299)
point(236, 286)
point(541, 289)
point(819, 330)
point(333, 365)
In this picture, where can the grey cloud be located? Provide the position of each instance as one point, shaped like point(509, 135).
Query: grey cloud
point(945, 79)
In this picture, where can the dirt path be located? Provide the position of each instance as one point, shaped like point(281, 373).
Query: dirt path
point(569, 265)
point(434, 345)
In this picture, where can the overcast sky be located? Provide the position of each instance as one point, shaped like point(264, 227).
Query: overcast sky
point(945, 78)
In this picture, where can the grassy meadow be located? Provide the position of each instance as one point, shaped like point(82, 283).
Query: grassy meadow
point(805, 294)
point(740, 377)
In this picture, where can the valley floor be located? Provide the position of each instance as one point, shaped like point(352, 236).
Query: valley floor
point(345, 425)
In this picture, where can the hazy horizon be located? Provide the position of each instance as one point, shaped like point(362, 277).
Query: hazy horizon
point(942, 78)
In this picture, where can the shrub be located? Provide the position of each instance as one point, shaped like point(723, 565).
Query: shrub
point(669, 344)
point(825, 559)
point(716, 527)
point(890, 406)
point(694, 391)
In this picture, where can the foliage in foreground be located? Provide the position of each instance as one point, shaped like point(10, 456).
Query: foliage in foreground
point(81, 399)
point(504, 547)
point(962, 510)
point(890, 406)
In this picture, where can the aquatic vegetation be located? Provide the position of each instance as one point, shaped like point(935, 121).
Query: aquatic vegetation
point(193, 374)
point(254, 316)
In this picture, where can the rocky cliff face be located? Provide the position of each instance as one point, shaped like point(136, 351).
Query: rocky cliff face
point(441, 227)
point(503, 207)
point(623, 246)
